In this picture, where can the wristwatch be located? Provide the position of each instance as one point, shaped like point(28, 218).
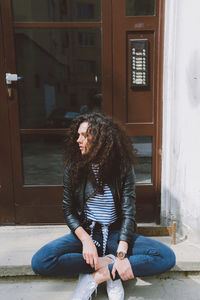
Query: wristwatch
point(121, 255)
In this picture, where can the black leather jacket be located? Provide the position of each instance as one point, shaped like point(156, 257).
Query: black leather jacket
point(123, 191)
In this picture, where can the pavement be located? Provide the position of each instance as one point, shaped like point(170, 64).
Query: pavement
point(18, 282)
point(151, 288)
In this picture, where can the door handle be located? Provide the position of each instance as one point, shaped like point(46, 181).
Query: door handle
point(12, 77)
point(9, 79)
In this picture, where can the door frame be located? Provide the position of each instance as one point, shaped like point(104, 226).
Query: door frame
point(7, 207)
point(21, 193)
point(9, 117)
point(141, 25)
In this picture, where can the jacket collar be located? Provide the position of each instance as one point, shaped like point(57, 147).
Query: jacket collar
point(90, 188)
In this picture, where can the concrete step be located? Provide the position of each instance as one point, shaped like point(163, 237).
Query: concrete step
point(173, 286)
point(18, 282)
point(19, 243)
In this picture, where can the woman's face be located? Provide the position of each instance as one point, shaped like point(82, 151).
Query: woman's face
point(84, 139)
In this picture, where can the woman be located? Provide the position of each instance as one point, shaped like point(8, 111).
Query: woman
point(99, 208)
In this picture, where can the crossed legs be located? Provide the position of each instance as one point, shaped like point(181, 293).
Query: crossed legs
point(63, 257)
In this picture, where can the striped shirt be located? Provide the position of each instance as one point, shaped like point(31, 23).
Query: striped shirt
point(101, 208)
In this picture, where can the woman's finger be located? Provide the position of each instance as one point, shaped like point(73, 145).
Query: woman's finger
point(130, 274)
point(87, 259)
point(92, 262)
point(127, 275)
point(113, 271)
point(95, 262)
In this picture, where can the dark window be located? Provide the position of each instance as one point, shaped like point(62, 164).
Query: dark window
point(85, 11)
point(86, 66)
point(140, 7)
point(86, 39)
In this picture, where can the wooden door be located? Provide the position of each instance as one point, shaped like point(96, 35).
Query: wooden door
point(72, 57)
point(56, 52)
point(137, 86)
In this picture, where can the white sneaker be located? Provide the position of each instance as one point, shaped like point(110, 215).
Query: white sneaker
point(115, 290)
point(85, 287)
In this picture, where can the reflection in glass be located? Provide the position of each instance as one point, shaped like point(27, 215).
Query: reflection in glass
point(140, 7)
point(61, 70)
point(42, 159)
point(56, 10)
point(143, 169)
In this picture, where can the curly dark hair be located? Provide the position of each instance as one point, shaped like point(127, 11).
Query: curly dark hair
point(110, 148)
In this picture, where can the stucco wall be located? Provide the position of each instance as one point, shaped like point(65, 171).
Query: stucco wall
point(180, 194)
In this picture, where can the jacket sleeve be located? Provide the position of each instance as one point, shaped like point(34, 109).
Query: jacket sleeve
point(69, 209)
point(128, 208)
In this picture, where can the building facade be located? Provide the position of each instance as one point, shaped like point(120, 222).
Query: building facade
point(180, 198)
point(135, 60)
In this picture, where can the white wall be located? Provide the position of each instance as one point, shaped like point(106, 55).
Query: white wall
point(180, 195)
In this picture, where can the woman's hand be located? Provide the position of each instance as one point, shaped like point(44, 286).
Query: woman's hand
point(123, 267)
point(90, 252)
point(89, 249)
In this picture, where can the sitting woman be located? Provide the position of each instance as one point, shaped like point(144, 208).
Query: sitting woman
point(99, 208)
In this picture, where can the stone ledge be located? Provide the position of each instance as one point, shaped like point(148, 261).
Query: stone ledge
point(25, 270)
point(12, 271)
point(19, 243)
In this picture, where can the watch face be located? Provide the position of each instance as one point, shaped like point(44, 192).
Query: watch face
point(121, 255)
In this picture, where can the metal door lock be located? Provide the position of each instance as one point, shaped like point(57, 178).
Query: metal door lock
point(12, 77)
point(9, 79)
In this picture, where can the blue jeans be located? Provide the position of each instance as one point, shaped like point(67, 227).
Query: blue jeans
point(63, 256)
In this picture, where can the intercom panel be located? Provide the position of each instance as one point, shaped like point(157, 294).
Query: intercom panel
point(139, 63)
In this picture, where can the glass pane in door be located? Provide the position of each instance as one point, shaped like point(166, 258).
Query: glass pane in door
point(61, 75)
point(56, 10)
point(42, 157)
point(140, 7)
point(143, 168)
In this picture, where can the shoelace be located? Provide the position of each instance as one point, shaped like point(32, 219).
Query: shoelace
point(92, 225)
point(105, 229)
